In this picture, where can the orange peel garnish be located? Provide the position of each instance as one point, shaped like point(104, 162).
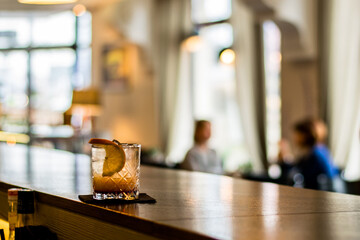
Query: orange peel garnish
point(115, 156)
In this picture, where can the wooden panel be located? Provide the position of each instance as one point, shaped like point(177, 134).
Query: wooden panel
point(70, 225)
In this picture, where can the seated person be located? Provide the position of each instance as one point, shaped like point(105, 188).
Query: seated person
point(200, 157)
point(321, 136)
point(313, 162)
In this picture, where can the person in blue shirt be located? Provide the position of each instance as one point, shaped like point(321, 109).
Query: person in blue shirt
point(313, 167)
point(321, 136)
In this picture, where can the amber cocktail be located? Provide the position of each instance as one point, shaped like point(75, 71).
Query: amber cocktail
point(115, 170)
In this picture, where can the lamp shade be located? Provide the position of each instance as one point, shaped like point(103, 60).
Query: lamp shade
point(46, 2)
point(86, 100)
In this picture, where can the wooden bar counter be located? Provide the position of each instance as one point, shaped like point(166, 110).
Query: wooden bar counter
point(189, 205)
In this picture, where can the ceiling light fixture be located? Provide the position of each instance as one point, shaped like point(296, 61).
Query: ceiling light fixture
point(46, 2)
point(79, 10)
point(192, 43)
point(227, 56)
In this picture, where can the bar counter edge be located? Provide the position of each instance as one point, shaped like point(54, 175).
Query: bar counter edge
point(71, 219)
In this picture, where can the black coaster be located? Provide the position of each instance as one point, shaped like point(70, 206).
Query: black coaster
point(143, 198)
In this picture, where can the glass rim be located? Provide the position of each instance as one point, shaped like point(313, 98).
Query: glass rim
point(130, 144)
point(134, 145)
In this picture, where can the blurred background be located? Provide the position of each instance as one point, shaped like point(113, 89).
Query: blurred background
point(144, 70)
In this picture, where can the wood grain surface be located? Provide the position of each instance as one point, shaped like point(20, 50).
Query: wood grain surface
point(189, 205)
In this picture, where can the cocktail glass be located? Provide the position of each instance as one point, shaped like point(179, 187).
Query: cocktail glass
point(121, 185)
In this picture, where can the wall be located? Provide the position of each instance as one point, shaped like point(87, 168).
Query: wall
point(303, 15)
point(129, 116)
point(300, 68)
point(300, 84)
point(300, 93)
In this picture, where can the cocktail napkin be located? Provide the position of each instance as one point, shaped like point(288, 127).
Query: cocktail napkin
point(143, 198)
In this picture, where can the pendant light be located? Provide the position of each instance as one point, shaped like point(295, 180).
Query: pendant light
point(46, 2)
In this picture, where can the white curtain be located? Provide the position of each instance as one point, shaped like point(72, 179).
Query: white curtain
point(172, 23)
point(344, 83)
point(181, 129)
point(244, 46)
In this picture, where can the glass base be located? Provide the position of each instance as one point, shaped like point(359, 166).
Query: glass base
point(119, 195)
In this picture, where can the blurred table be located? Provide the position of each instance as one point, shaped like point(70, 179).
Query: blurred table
point(62, 137)
point(189, 205)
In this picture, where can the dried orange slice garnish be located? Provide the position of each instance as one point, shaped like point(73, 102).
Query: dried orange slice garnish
point(115, 156)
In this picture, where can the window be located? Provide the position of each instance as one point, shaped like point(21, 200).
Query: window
point(205, 11)
point(272, 61)
point(213, 83)
point(51, 79)
point(42, 58)
point(13, 90)
point(53, 29)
